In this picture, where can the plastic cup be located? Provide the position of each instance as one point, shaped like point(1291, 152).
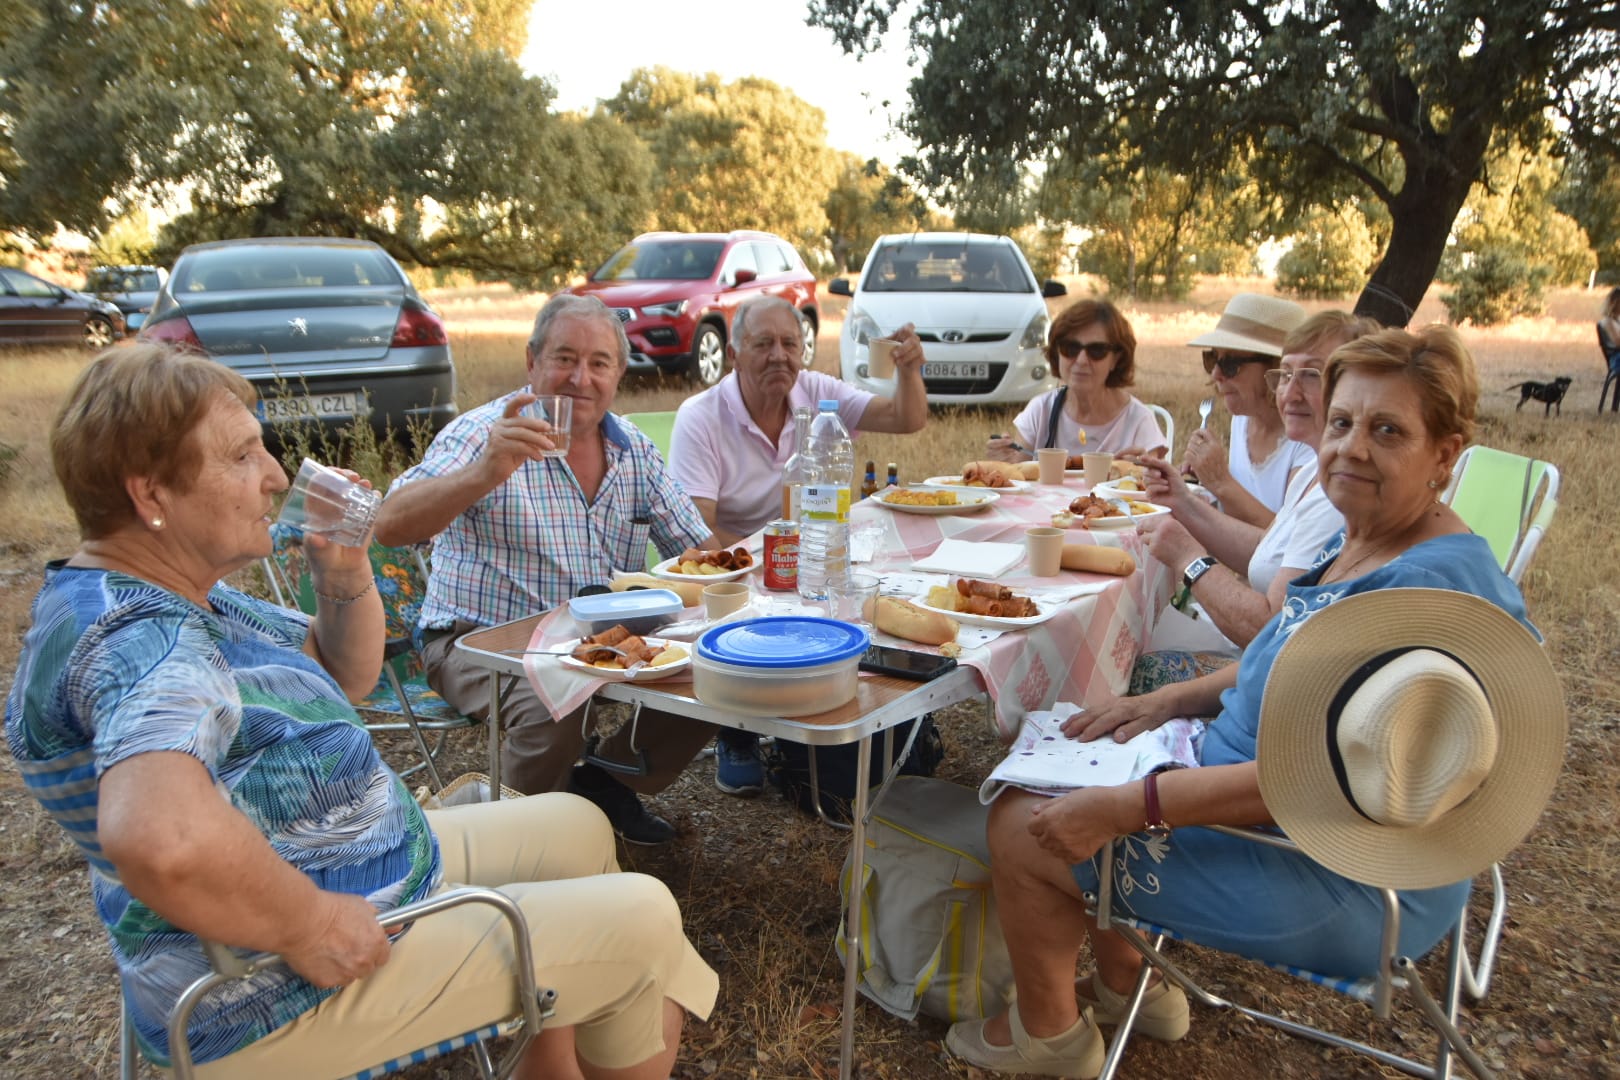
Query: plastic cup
point(1053, 460)
point(724, 597)
point(880, 358)
point(558, 411)
point(853, 599)
point(1097, 464)
point(1043, 546)
point(325, 502)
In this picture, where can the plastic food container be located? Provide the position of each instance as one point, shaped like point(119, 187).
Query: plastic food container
point(791, 666)
point(640, 611)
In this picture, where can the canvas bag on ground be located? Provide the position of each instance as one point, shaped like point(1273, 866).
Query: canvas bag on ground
point(929, 936)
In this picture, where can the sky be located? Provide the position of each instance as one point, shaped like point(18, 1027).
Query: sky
point(586, 60)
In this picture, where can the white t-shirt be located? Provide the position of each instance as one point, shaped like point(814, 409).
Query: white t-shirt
point(1134, 426)
point(1267, 480)
point(716, 451)
point(1305, 523)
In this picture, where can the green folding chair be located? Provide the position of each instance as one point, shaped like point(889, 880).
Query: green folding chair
point(659, 427)
point(1507, 499)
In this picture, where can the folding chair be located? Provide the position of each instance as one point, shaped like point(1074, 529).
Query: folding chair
point(402, 691)
point(1397, 974)
point(538, 1004)
point(1611, 361)
point(1507, 499)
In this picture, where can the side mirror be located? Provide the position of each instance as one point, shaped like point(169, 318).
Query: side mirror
point(745, 276)
point(1054, 289)
point(840, 287)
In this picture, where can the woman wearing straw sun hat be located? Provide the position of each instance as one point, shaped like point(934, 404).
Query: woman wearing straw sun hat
point(1397, 717)
point(1251, 478)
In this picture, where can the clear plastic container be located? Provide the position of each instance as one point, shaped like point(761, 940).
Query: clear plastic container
point(640, 611)
point(791, 666)
point(824, 504)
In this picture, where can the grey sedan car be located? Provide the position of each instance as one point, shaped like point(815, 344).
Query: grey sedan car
point(34, 311)
point(328, 330)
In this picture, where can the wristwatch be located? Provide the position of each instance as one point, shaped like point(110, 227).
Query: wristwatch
point(1197, 569)
point(1156, 825)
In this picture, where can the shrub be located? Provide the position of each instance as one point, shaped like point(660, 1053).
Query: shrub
point(1497, 285)
point(1330, 257)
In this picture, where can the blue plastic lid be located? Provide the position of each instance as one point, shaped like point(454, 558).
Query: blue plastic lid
point(828, 405)
point(791, 641)
point(631, 604)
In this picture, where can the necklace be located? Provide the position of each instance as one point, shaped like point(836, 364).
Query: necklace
point(1344, 575)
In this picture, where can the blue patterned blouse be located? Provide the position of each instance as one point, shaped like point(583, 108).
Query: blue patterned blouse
point(113, 667)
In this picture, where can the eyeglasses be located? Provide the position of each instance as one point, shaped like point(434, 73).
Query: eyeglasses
point(1069, 349)
point(1232, 363)
point(1277, 379)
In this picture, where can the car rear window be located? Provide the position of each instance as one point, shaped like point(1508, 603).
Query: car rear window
point(123, 281)
point(946, 267)
point(293, 267)
point(662, 260)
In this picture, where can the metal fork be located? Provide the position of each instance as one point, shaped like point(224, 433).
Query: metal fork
point(636, 662)
point(1205, 407)
point(1125, 507)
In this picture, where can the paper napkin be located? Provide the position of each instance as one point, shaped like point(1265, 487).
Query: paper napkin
point(969, 559)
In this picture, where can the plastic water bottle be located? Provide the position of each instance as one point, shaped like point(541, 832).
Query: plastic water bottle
point(824, 504)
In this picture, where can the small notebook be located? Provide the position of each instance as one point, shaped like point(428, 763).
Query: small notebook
point(966, 558)
point(1047, 762)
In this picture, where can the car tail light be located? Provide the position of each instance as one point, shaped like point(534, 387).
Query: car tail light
point(176, 331)
point(416, 327)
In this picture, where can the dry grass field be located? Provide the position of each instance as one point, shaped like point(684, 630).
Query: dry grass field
point(758, 882)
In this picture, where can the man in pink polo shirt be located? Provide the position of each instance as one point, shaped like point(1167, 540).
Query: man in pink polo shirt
point(731, 441)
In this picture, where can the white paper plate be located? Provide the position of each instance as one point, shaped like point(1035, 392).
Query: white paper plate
point(1111, 491)
point(1046, 610)
point(955, 484)
point(641, 674)
point(1121, 521)
point(663, 570)
point(969, 501)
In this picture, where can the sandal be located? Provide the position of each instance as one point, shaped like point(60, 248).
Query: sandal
point(1076, 1053)
point(1164, 1014)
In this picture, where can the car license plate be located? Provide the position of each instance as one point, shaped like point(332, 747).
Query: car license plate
point(944, 370)
point(313, 407)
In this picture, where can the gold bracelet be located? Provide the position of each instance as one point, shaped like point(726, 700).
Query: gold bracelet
point(340, 601)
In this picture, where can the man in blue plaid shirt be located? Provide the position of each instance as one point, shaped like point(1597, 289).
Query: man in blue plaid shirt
point(516, 532)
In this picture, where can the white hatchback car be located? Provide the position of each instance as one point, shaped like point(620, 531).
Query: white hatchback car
point(975, 303)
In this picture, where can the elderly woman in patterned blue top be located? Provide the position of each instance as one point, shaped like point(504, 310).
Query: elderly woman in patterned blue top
point(200, 747)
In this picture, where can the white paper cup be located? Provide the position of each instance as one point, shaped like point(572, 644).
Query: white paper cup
point(724, 597)
point(1053, 460)
point(880, 358)
point(1043, 546)
point(1097, 464)
point(325, 502)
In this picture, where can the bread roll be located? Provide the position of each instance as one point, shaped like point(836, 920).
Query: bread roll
point(690, 592)
point(906, 620)
point(1031, 470)
point(1098, 559)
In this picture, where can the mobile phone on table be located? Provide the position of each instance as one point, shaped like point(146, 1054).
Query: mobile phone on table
point(905, 663)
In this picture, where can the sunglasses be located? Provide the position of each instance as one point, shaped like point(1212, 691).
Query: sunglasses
point(1278, 379)
point(1069, 349)
point(1232, 363)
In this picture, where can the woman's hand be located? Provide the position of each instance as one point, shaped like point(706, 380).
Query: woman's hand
point(1124, 717)
point(1005, 448)
point(1206, 458)
point(1168, 540)
point(334, 567)
point(1163, 482)
point(345, 942)
point(1075, 826)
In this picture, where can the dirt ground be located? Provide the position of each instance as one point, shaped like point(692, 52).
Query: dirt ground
point(757, 882)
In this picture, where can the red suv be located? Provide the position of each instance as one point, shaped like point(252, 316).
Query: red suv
point(675, 294)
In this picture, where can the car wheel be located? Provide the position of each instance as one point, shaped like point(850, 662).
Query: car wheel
point(708, 356)
point(807, 328)
point(98, 332)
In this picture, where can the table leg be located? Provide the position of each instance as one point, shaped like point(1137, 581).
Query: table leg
point(852, 919)
point(494, 736)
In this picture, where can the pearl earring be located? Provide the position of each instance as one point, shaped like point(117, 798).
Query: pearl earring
point(1433, 484)
point(157, 522)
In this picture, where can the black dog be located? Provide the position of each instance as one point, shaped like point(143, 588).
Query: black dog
point(1550, 393)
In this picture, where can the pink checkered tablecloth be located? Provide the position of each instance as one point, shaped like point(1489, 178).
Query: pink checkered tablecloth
point(1084, 653)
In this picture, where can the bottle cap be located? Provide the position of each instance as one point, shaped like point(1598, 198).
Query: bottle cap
point(829, 405)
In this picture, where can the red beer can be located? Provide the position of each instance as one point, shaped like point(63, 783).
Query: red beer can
point(782, 555)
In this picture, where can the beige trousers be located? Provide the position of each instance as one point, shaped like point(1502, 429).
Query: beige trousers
point(609, 943)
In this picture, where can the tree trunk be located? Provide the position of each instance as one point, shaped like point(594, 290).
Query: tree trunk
point(1423, 213)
